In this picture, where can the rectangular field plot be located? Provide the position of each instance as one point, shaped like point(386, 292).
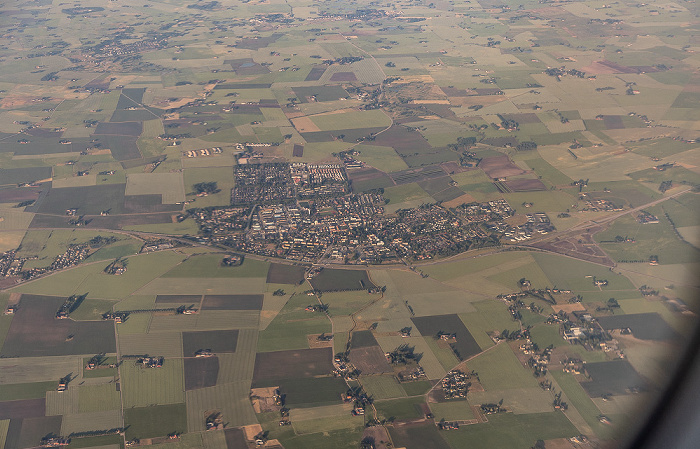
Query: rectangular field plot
point(98, 398)
point(285, 274)
point(464, 344)
point(157, 344)
point(43, 369)
point(426, 436)
point(312, 392)
point(231, 399)
point(169, 185)
point(33, 429)
point(155, 421)
point(33, 390)
point(383, 387)
point(210, 266)
point(330, 280)
point(178, 299)
point(519, 400)
point(576, 275)
point(452, 410)
point(510, 430)
point(645, 326)
point(210, 286)
point(25, 408)
point(270, 366)
point(328, 423)
point(616, 377)
point(35, 331)
point(85, 422)
point(201, 372)
point(370, 360)
point(87, 200)
point(142, 387)
point(215, 341)
point(232, 302)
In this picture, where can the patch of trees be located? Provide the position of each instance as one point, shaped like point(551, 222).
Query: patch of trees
point(209, 6)
point(51, 76)
point(462, 144)
point(78, 10)
point(206, 187)
point(526, 146)
point(664, 186)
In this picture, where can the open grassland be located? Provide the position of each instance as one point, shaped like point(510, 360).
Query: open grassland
point(381, 158)
point(142, 387)
point(492, 364)
point(346, 303)
point(350, 120)
point(98, 398)
point(329, 423)
point(155, 421)
point(231, 399)
point(210, 266)
point(291, 326)
point(517, 400)
point(406, 408)
point(32, 390)
point(382, 387)
point(85, 422)
point(452, 410)
point(576, 275)
point(38, 369)
point(342, 439)
point(167, 344)
point(91, 278)
point(658, 239)
point(509, 430)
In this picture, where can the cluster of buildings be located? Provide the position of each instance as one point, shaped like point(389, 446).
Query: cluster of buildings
point(350, 228)
point(537, 223)
point(151, 362)
point(202, 152)
point(456, 384)
point(285, 182)
point(263, 183)
point(600, 205)
point(10, 264)
point(318, 180)
point(645, 217)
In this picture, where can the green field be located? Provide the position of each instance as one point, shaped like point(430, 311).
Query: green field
point(143, 387)
point(289, 329)
point(493, 364)
point(33, 390)
point(406, 408)
point(209, 266)
point(351, 120)
point(514, 431)
point(452, 410)
point(658, 239)
point(154, 421)
point(383, 387)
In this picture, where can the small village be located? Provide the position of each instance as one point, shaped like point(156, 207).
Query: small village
point(353, 228)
